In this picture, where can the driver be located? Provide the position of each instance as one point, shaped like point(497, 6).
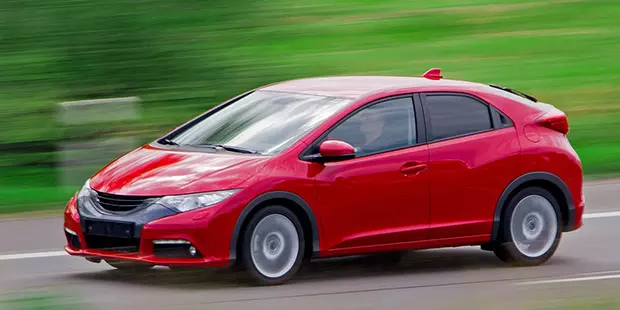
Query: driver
point(372, 128)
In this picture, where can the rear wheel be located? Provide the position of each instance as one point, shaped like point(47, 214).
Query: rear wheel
point(273, 245)
point(531, 228)
point(128, 265)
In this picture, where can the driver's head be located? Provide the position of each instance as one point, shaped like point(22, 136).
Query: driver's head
point(372, 123)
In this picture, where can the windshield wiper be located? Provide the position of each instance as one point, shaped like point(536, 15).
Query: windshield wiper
point(168, 142)
point(230, 148)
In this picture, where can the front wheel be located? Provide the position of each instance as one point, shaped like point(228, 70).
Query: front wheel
point(531, 228)
point(273, 245)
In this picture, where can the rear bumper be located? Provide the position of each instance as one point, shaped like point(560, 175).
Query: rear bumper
point(575, 217)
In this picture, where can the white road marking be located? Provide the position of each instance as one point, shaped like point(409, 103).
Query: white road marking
point(32, 255)
point(599, 272)
point(601, 215)
point(63, 253)
point(568, 280)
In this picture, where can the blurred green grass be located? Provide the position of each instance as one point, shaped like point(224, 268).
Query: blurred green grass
point(41, 300)
point(183, 58)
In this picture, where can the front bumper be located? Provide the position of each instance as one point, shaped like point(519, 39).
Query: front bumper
point(148, 258)
point(151, 224)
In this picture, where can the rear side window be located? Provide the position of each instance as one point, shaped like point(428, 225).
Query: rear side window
point(456, 115)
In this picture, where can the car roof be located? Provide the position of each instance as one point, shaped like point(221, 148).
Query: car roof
point(354, 87)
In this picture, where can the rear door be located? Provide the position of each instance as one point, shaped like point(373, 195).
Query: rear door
point(473, 152)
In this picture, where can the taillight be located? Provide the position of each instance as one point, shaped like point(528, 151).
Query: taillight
point(557, 122)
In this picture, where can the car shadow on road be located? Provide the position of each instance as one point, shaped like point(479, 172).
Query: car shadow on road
point(366, 266)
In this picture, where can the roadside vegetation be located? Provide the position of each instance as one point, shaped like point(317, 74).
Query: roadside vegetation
point(182, 58)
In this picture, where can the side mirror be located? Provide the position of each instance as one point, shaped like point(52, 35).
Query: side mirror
point(332, 150)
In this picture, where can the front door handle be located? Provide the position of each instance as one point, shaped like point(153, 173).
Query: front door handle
point(412, 168)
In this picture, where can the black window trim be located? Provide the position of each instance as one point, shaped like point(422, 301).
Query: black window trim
point(490, 108)
point(419, 122)
point(496, 122)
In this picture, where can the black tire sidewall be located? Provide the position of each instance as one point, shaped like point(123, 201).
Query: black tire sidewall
point(508, 250)
point(246, 256)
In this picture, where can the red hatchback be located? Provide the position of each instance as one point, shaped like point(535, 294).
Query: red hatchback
point(334, 166)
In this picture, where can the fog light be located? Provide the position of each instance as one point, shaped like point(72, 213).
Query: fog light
point(71, 232)
point(170, 242)
point(175, 249)
point(72, 238)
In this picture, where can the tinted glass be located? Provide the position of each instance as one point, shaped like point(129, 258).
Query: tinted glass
point(381, 127)
point(456, 115)
point(500, 119)
point(263, 121)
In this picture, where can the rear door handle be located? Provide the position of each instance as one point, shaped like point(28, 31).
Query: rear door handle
point(412, 168)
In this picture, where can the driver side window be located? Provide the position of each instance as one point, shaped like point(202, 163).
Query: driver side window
point(381, 127)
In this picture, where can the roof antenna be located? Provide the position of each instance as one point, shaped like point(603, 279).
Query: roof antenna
point(433, 74)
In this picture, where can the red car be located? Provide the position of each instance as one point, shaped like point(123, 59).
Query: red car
point(335, 166)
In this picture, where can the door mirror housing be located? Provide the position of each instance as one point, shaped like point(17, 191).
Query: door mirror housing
point(332, 150)
point(336, 148)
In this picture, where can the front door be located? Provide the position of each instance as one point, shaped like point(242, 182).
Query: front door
point(380, 197)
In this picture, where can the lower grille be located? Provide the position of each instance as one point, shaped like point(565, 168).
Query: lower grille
point(113, 244)
point(73, 240)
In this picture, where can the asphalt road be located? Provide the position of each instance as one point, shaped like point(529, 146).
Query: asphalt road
point(587, 264)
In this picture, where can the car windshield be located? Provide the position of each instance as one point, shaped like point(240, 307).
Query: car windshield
point(264, 122)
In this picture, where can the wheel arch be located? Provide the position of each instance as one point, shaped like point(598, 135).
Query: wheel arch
point(289, 200)
point(546, 180)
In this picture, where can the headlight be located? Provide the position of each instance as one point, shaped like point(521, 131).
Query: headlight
point(186, 203)
point(85, 194)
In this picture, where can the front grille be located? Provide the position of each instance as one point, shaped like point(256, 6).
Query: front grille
point(113, 244)
point(121, 203)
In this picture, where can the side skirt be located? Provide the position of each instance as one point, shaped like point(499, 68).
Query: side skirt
point(414, 245)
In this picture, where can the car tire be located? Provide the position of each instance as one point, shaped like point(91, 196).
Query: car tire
point(531, 228)
point(273, 246)
point(128, 265)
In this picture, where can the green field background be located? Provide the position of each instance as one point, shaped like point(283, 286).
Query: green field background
point(183, 57)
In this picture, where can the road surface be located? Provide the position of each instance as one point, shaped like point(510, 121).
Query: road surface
point(586, 264)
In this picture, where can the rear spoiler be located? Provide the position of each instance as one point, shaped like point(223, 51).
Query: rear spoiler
point(516, 92)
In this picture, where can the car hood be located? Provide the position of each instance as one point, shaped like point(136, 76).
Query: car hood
point(149, 171)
